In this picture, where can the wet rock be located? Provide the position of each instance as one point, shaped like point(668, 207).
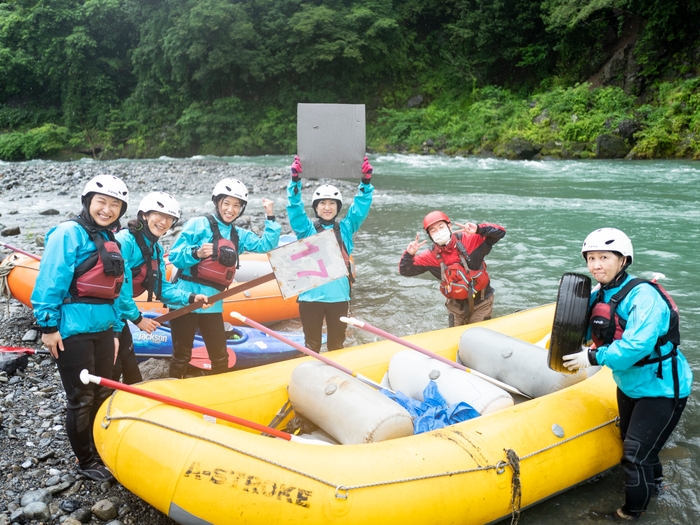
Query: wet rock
point(37, 511)
point(611, 147)
point(105, 510)
point(155, 369)
point(30, 335)
point(10, 231)
point(58, 488)
point(69, 505)
point(33, 496)
point(11, 362)
point(71, 521)
point(519, 149)
point(50, 211)
point(82, 515)
point(18, 516)
point(627, 128)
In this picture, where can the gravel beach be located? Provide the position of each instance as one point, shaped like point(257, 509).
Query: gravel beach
point(39, 482)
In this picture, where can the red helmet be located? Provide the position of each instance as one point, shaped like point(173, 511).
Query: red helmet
point(433, 217)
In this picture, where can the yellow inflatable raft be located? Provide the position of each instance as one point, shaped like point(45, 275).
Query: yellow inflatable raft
point(198, 471)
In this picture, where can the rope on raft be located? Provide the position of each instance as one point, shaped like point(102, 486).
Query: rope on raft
point(6, 267)
point(516, 486)
point(342, 491)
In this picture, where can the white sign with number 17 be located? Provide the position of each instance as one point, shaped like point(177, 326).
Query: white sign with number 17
point(307, 263)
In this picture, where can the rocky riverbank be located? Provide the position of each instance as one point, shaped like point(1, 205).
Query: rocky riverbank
point(39, 481)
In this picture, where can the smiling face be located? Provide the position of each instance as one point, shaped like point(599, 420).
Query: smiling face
point(105, 210)
point(327, 209)
point(159, 223)
point(229, 208)
point(604, 266)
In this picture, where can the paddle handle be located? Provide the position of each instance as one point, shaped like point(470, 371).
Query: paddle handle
point(87, 377)
point(15, 249)
point(305, 350)
point(214, 298)
point(386, 335)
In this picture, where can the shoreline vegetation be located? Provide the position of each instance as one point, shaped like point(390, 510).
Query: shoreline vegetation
point(527, 79)
point(579, 122)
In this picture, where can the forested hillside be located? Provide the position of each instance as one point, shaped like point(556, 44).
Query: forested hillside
point(514, 78)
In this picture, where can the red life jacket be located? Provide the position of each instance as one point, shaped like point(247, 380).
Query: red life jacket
point(219, 269)
point(99, 278)
point(607, 326)
point(458, 281)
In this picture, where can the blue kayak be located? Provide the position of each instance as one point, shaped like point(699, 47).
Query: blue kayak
point(247, 347)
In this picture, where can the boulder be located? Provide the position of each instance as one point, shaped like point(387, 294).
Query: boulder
point(11, 362)
point(627, 128)
point(611, 147)
point(519, 149)
point(155, 369)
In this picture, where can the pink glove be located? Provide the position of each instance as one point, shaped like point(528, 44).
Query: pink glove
point(366, 171)
point(296, 168)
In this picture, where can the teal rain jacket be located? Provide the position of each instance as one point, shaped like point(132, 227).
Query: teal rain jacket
point(67, 246)
point(339, 290)
point(133, 258)
point(648, 317)
point(196, 232)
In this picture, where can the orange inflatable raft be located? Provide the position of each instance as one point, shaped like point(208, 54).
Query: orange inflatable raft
point(264, 303)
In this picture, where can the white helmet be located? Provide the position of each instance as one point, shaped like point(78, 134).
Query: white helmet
point(326, 191)
point(108, 185)
point(161, 202)
point(232, 188)
point(608, 240)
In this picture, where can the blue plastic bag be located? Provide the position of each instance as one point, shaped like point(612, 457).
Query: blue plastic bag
point(433, 412)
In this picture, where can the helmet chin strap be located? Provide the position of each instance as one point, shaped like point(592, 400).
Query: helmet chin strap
point(618, 279)
point(143, 226)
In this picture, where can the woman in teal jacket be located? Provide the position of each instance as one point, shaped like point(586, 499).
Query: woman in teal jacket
point(206, 254)
point(331, 300)
point(73, 298)
point(634, 325)
point(157, 213)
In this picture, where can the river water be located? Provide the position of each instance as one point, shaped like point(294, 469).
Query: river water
point(547, 208)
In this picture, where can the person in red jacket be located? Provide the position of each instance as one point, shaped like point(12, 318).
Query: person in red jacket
point(457, 259)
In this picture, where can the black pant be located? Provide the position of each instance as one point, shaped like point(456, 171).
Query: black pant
point(126, 366)
point(645, 423)
point(94, 352)
point(312, 315)
point(183, 329)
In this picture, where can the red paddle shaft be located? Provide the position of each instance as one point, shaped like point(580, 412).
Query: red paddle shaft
point(86, 378)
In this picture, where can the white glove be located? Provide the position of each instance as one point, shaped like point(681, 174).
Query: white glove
point(578, 360)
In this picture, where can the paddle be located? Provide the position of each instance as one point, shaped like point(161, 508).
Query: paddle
point(14, 249)
point(386, 335)
point(216, 297)
point(21, 350)
point(87, 377)
point(307, 351)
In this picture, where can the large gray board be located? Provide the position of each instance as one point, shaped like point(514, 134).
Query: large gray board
point(331, 140)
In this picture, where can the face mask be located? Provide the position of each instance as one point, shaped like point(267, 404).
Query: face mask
point(442, 237)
